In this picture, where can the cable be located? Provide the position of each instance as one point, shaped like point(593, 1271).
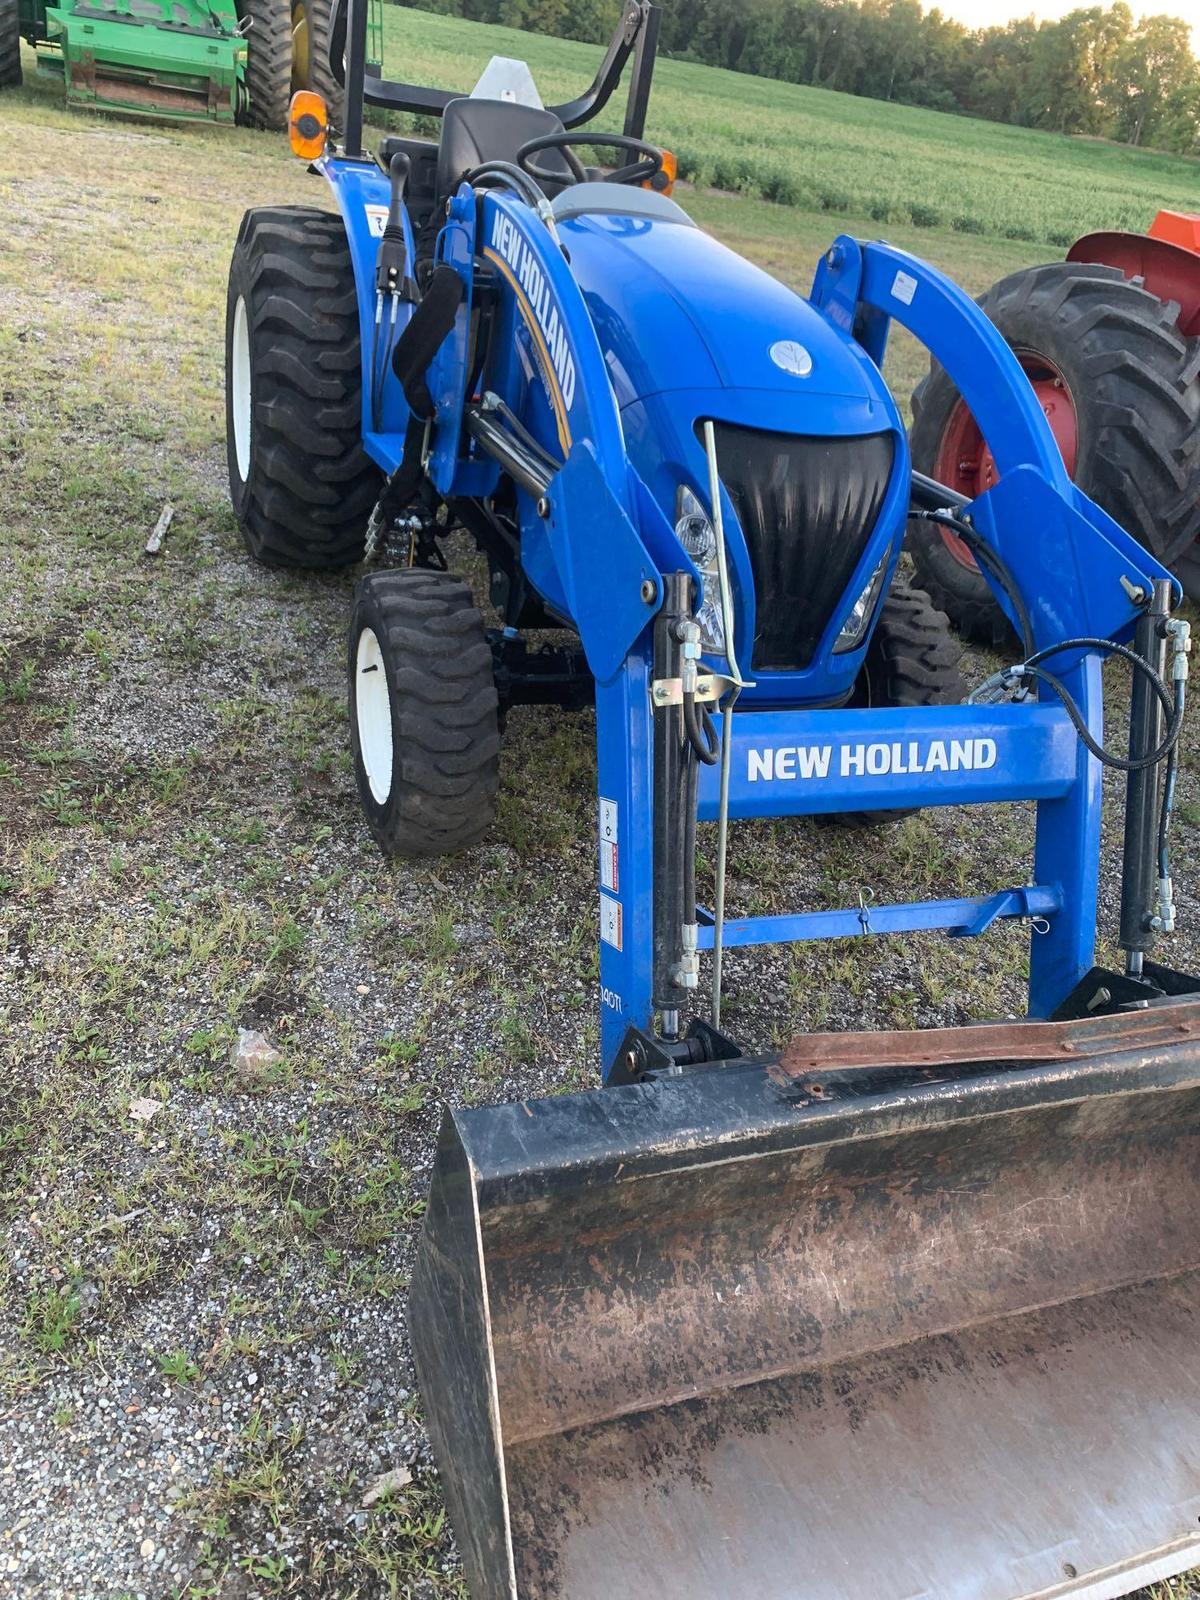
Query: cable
point(379, 370)
point(691, 786)
point(1173, 709)
point(701, 731)
point(1167, 751)
point(986, 557)
point(1168, 800)
point(1032, 667)
point(495, 172)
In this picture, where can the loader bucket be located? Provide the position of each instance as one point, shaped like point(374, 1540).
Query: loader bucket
point(918, 1329)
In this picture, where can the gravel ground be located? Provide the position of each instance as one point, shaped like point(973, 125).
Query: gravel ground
point(207, 1389)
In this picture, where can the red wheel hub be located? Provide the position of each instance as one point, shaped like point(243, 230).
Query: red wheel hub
point(964, 461)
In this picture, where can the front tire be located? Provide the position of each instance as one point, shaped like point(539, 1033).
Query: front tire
point(301, 484)
point(1122, 388)
point(423, 712)
point(10, 44)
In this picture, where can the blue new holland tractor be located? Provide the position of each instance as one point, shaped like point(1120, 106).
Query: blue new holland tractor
point(893, 1315)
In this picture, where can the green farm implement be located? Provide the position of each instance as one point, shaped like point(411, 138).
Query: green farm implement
point(195, 60)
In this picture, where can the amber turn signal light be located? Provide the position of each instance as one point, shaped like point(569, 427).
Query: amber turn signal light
point(308, 125)
point(663, 182)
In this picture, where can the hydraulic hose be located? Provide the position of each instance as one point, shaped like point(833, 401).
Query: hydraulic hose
point(690, 795)
point(1031, 667)
point(701, 731)
point(493, 173)
point(1168, 799)
point(986, 557)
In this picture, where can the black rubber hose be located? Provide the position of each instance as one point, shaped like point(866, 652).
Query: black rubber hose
point(496, 172)
point(1172, 708)
point(701, 732)
point(1168, 797)
point(987, 557)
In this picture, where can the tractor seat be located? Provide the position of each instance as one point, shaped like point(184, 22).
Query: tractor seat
point(475, 131)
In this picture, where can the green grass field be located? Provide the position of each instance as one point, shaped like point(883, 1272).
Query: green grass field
point(832, 152)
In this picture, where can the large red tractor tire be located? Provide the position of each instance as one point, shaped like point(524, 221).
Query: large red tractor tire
point(1120, 386)
point(10, 44)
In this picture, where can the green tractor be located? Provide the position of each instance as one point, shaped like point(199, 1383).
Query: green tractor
point(193, 60)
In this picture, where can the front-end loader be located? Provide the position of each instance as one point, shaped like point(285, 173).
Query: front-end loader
point(875, 1316)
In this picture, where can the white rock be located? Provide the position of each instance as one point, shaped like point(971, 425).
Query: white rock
point(387, 1483)
point(254, 1053)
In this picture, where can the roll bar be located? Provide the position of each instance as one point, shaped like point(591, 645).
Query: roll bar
point(636, 34)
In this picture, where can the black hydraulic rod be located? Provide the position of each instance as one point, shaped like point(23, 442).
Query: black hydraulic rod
point(1139, 870)
point(526, 469)
point(670, 792)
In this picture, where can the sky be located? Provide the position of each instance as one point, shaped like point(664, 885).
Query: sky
point(982, 13)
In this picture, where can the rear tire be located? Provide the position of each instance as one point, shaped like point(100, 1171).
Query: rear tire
point(423, 712)
point(1134, 381)
point(10, 45)
point(301, 483)
point(913, 659)
point(268, 63)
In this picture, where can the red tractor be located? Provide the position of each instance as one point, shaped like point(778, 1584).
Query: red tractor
point(1110, 340)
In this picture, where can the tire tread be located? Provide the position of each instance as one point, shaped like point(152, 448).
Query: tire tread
point(446, 773)
point(313, 484)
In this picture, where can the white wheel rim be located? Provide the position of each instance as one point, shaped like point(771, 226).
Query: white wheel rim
point(373, 714)
point(239, 387)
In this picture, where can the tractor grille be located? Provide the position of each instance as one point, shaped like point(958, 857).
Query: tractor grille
point(807, 507)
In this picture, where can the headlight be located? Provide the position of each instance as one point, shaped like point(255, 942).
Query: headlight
point(854, 629)
point(698, 537)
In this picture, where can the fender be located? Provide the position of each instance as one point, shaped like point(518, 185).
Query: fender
point(362, 194)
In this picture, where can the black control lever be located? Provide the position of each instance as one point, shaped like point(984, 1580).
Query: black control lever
point(390, 276)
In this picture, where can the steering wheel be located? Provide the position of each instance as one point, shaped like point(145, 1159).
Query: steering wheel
point(648, 165)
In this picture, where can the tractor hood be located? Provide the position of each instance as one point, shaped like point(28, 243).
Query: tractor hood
point(674, 309)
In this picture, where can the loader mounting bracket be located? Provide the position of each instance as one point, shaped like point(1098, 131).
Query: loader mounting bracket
point(1102, 993)
point(644, 1057)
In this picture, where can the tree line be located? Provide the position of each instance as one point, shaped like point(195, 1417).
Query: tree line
point(1097, 71)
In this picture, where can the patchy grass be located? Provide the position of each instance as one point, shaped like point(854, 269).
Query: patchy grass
point(202, 1346)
